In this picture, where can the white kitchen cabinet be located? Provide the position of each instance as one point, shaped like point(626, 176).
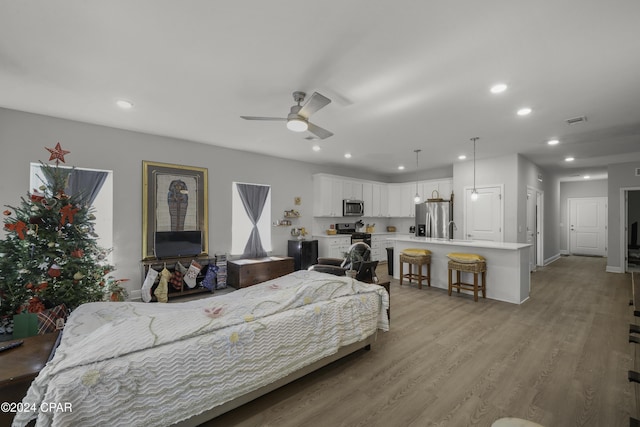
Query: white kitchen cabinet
point(367, 198)
point(379, 244)
point(445, 187)
point(436, 188)
point(429, 190)
point(327, 196)
point(394, 197)
point(334, 246)
point(351, 190)
point(380, 200)
point(407, 203)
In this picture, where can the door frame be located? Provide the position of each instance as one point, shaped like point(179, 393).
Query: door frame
point(539, 194)
point(606, 222)
point(624, 217)
point(465, 209)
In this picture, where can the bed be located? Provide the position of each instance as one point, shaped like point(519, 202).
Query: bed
point(183, 363)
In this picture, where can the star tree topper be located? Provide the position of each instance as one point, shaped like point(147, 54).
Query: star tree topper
point(57, 153)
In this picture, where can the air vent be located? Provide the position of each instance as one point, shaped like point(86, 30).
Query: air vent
point(637, 171)
point(575, 120)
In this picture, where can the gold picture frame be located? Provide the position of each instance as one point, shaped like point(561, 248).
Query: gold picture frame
point(174, 198)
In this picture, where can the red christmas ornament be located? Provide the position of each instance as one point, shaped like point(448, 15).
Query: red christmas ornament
point(57, 153)
point(78, 253)
point(54, 271)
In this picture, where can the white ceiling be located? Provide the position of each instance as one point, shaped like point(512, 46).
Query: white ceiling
point(402, 75)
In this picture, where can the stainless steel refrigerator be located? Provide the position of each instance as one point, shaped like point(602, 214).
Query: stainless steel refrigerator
point(434, 219)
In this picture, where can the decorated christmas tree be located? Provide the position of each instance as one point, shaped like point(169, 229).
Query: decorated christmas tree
point(50, 255)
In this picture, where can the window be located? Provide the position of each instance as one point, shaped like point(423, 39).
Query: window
point(102, 204)
point(251, 220)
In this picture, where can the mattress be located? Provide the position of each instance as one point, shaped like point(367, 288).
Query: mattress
point(157, 364)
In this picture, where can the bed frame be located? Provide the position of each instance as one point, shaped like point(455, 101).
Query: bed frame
point(241, 400)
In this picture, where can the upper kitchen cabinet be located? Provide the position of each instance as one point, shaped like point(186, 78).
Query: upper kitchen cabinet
point(400, 200)
point(352, 190)
point(445, 188)
point(327, 195)
point(380, 200)
point(376, 199)
point(435, 189)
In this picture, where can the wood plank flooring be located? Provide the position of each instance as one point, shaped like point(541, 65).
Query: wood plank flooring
point(559, 359)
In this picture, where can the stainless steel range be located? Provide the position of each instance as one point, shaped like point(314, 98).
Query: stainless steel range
point(356, 236)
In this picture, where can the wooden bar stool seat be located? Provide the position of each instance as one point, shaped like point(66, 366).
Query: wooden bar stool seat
point(468, 263)
point(417, 257)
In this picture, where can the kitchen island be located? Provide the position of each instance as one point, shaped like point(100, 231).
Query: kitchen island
point(508, 277)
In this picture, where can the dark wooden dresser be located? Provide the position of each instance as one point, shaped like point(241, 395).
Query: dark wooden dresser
point(19, 366)
point(247, 272)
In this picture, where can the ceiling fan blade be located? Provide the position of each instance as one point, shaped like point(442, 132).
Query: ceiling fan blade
point(277, 119)
point(319, 132)
point(314, 103)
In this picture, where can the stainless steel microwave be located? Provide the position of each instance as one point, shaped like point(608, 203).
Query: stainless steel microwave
point(352, 207)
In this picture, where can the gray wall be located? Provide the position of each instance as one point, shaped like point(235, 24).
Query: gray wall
point(576, 189)
point(621, 176)
point(24, 136)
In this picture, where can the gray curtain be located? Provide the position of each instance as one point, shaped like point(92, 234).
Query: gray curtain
point(86, 184)
point(253, 199)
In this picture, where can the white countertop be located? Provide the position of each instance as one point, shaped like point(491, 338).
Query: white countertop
point(458, 242)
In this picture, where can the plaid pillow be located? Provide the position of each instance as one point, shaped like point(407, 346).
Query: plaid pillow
point(52, 319)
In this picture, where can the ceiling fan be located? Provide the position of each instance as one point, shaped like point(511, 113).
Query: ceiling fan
point(298, 118)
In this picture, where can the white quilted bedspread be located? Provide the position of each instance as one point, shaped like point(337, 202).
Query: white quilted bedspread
point(156, 364)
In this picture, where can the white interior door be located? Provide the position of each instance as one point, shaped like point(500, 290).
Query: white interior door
point(483, 217)
point(588, 226)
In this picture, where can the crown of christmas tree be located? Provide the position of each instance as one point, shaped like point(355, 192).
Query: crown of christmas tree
point(50, 255)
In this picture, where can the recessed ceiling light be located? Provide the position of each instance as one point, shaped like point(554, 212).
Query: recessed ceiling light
point(462, 157)
point(316, 148)
point(347, 155)
point(498, 88)
point(125, 105)
point(553, 142)
point(587, 177)
point(524, 111)
point(401, 167)
point(569, 159)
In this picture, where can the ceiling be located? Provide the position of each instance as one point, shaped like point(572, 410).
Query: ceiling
point(402, 75)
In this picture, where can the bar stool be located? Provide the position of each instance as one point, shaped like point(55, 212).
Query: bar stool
point(417, 257)
point(469, 263)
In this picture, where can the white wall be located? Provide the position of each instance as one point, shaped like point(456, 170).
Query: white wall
point(24, 136)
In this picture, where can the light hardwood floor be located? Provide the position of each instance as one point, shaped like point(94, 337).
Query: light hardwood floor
point(559, 359)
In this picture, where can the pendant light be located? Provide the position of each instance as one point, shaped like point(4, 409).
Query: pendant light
point(474, 192)
point(416, 199)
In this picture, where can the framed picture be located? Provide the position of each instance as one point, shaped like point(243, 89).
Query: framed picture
point(174, 199)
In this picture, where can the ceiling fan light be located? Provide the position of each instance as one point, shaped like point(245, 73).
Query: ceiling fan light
point(297, 125)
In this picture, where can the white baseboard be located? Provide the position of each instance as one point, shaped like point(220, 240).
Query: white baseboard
point(552, 259)
point(613, 269)
point(564, 252)
point(135, 295)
